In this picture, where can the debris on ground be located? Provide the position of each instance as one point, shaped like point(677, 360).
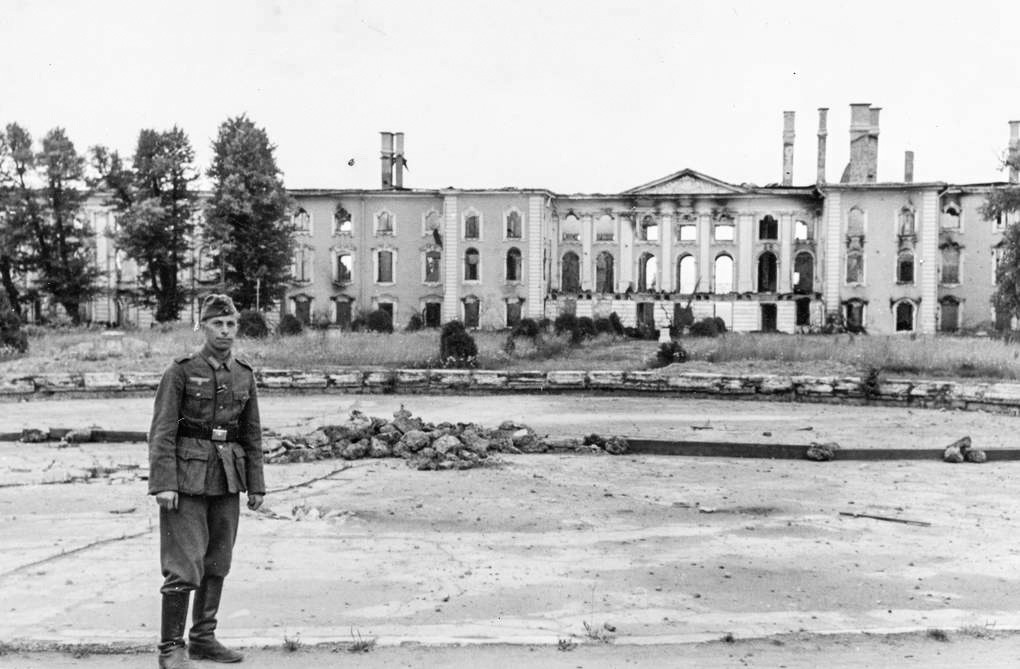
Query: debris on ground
point(888, 519)
point(962, 450)
point(821, 452)
point(425, 446)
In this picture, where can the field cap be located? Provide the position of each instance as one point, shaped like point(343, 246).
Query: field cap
point(217, 305)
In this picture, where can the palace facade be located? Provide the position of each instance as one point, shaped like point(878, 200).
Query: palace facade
point(884, 256)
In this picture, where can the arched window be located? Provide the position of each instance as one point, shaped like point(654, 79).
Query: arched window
point(513, 265)
point(604, 279)
point(384, 267)
point(801, 231)
point(855, 267)
point(433, 221)
point(906, 222)
point(472, 226)
point(767, 272)
point(951, 216)
point(384, 223)
point(768, 228)
point(433, 261)
point(905, 267)
point(341, 221)
point(605, 229)
point(904, 316)
point(804, 273)
point(570, 273)
point(951, 264)
point(471, 261)
point(686, 274)
point(950, 321)
point(853, 315)
point(571, 228)
point(513, 225)
point(302, 221)
point(344, 268)
point(301, 266)
point(855, 223)
point(648, 273)
point(649, 229)
point(723, 274)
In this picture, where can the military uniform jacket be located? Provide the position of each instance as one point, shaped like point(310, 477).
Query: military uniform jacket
point(201, 392)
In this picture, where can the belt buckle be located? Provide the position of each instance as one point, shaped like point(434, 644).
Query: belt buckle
point(219, 434)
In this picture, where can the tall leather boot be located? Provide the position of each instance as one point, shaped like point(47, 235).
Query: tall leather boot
point(202, 643)
point(172, 653)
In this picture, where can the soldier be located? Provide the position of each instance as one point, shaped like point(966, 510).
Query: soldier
point(205, 447)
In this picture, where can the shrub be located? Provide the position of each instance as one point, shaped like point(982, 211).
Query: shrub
point(720, 325)
point(670, 352)
point(565, 323)
point(707, 327)
point(586, 327)
point(290, 325)
point(415, 323)
point(604, 326)
point(252, 324)
point(379, 321)
point(684, 318)
point(642, 331)
point(614, 320)
point(11, 335)
point(544, 324)
point(527, 327)
point(457, 347)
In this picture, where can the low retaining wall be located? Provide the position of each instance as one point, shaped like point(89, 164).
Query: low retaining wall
point(998, 397)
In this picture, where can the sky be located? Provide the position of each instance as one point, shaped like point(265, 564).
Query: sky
point(574, 96)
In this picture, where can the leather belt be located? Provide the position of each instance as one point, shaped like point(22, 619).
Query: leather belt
point(223, 433)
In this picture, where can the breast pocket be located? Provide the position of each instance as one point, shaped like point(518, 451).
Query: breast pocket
point(192, 461)
point(198, 401)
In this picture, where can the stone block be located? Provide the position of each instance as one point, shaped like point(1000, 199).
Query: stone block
point(848, 386)
point(346, 379)
point(103, 381)
point(309, 380)
point(645, 380)
point(526, 380)
point(489, 379)
point(275, 378)
point(894, 389)
point(739, 385)
point(694, 382)
point(451, 379)
point(772, 384)
point(56, 382)
point(379, 379)
point(566, 379)
point(813, 386)
point(606, 379)
point(16, 385)
point(969, 392)
point(1003, 393)
point(141, 380)
point(412, 379)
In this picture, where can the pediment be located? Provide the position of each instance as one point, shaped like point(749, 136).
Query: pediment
point(686, 182)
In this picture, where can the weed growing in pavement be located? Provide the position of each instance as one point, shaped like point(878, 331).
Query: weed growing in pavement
point(359, 644)
point(728, 638)
point(603, 634)
point(566, 644)
point(936, 634)
point(977, 631)
point(291, 644)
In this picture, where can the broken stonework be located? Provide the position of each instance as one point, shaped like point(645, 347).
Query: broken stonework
point(379, 448)
point(822, 452)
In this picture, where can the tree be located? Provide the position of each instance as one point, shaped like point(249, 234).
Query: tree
point(16, 159)
point(246, 229)
point(1002, 203)
point(156, 207)
point(44, 193)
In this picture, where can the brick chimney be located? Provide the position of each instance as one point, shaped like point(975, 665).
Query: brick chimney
point(1014, 151)
point(863, 166)
point(823, 133)
point(908, 167)
point(398, 160)
point(387, 160)
point(788, 135)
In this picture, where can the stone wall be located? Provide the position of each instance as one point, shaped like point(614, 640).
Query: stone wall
point(997, 397)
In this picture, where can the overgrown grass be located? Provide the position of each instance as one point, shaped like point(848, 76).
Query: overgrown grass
point(82, 350)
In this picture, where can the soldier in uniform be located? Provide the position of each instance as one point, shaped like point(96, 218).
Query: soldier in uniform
point(205, 447)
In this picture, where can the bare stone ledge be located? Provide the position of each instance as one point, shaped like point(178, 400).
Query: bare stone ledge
point(526, 380)
point(818, 386)
point(17, 385)
point(412, 379)
point(102, 381)
point(276, 378)
point(489, 379)
point(57, 382)
point(645, 380)
point(309, 380)
point(605, 379)
point(566, 380)
point(347, 379)
point(141, 380)
point(377, 380)
point(695, 383)
point(773, 384)
point(450, 379)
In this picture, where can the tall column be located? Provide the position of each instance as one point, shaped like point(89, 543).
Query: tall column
point(785, 251)
point(587, 230)
point(451, 259)
point(929, 262)
point(533, 308)
point(745, 259)
point(625, 275)
point(833, 258)
point(554, 253)
point(704, 278)
point(666, 248)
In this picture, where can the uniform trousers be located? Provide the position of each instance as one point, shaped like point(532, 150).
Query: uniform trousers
point(197, 539)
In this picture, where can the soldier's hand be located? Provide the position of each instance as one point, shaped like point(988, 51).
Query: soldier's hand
point(167, 500)
point(254, 502)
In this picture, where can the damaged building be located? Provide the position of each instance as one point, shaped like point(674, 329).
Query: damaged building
point(884, 256)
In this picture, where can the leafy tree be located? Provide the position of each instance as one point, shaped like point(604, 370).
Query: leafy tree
point(16, 160)
point(245, 215)
point(156, 208)
point(43, 195)
point(1000, 203)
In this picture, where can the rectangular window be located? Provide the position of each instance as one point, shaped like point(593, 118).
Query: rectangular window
point(343, 314)
point(471, 314)
point(433, 314)
point(471, 226)
point(432, 259)
point(385, 273)
point(724, 233)
point(688, 233)
point(343, 268)
point(513, 313)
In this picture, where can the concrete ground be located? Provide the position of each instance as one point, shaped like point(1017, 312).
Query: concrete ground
point(640, 560)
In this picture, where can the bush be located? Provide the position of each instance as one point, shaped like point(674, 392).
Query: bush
point(416, 323)
point(12, 337)
point(527, 327)
point(684, 318)
point(614, 320)
point(586, 327)
point(544, 324)
point(252, 324)
point(670, 352)
point(708, 327)
point(604, 326)
point(457, 347)
point(565, 323)
point(642, 331)
point(290, 326)
point(379, 321)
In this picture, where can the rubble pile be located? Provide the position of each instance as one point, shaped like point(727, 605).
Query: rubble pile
point(822, 452)
point(425, 446)
point(962, 450)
